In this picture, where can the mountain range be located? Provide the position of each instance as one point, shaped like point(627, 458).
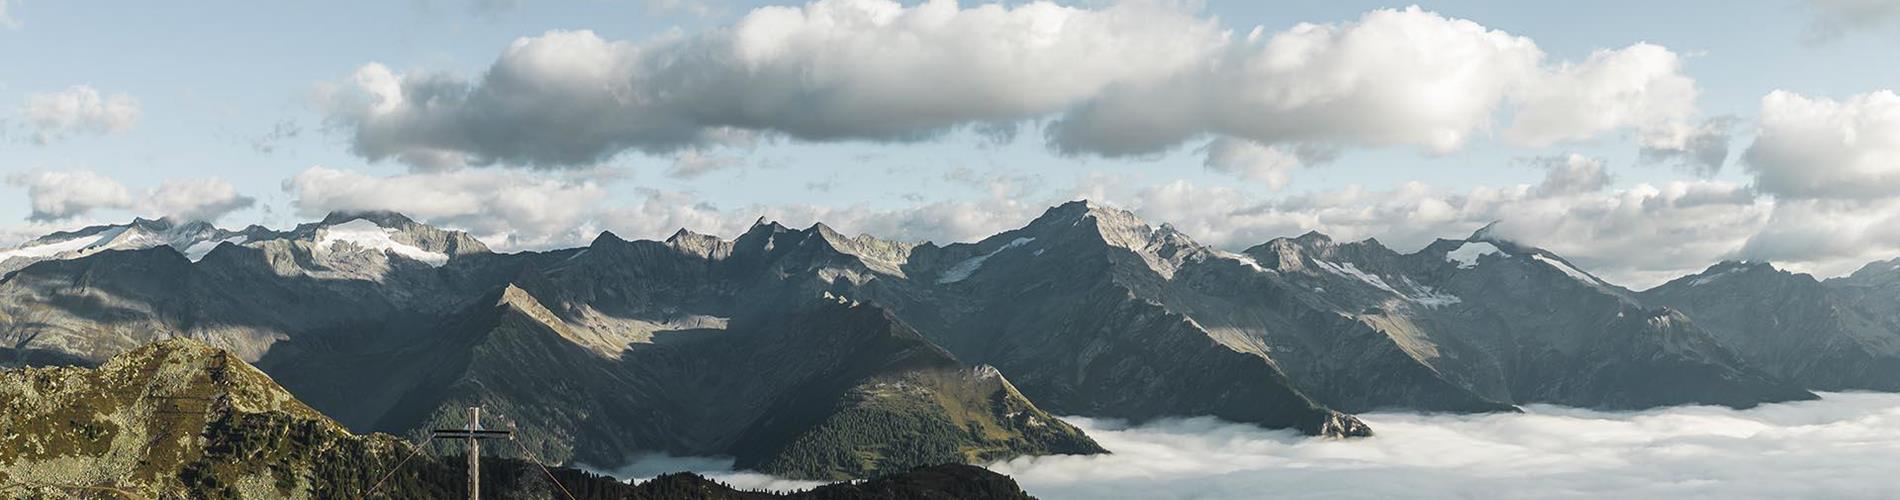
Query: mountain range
point(811, 354)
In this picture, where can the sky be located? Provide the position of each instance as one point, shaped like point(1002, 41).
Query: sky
point(1642, 140)
point(1841, 446)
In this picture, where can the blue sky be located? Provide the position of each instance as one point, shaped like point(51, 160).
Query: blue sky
point(236, 92)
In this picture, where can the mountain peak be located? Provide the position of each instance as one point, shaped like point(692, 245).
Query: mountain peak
point(1114, 223)
point(1877, 268)
point(1313, 237)
point(608, 237)
point(703, 245)
point(1078, 209)
point(384, 218)
point(1488, 233)
point(160, 224)
point(763, 225)
point(1740, 264)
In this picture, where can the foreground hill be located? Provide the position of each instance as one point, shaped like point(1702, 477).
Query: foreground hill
point(178, 419)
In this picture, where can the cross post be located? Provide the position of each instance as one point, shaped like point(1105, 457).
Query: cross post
point(474, 433)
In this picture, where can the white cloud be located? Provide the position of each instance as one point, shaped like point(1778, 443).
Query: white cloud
point(62, 195)
point(833, 69)
point(1641, 86)
point(1127, 78)
point(1840, 447)
point(1843, 446)
point(78, 110)
point(1818, 148)
point(1571, 174)
point(1392, 78)
point(1250, 160)
point(193, 200)
point(1827, 237)
point(1701, 149)
point(507, 209)
point(693, 163)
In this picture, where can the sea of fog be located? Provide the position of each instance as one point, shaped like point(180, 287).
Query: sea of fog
point(1846, 445)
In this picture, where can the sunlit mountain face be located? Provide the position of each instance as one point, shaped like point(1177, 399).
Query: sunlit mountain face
point(962, 248)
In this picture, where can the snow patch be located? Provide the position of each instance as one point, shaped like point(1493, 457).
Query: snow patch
point(1428, 296)
point(1351, 271)
point(82, 244)
point(1245, 260)
point(197, 251)
point(964, 269)
point(1704, 280)
point(1573, 272)
point(1466, 255)
point(1424, 295)
point(368, 235)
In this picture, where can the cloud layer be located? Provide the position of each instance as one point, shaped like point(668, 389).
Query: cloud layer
point(1130, 78)
point(1841, 447)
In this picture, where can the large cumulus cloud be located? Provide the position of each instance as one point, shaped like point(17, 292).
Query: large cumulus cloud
point(1833, 168)
point(1820, 148)
point(1132, 77)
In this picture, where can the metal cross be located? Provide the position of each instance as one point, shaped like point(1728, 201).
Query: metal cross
point(474, 434)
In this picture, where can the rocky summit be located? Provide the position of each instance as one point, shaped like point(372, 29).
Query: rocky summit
point(812, 354)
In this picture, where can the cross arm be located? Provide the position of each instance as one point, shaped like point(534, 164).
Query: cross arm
point(467, 434)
